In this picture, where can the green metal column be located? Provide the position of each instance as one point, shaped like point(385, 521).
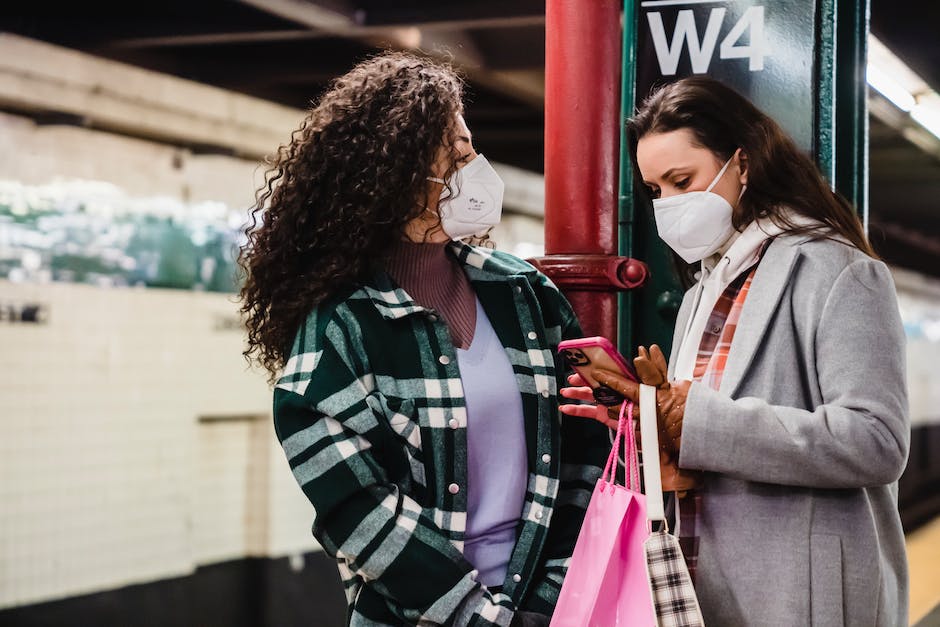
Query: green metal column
point(801, 61)
point(625, 205)
point(850, 150)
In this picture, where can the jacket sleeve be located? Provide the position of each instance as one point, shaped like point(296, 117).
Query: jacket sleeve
point(860, 434)
point(584, 448)
point(332, 437)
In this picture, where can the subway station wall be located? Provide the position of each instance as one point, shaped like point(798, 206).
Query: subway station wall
point(137, 453)
point(135, 444)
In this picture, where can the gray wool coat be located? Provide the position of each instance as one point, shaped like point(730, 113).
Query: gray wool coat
point(802, 447)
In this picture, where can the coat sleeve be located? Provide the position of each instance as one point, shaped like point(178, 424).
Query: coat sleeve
point(584, 448)
point(331, 433)
point(860, 434)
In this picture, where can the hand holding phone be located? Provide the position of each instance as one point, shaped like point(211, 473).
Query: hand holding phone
point(585, 355)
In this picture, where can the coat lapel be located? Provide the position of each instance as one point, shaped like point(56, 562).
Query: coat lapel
point(767, 287)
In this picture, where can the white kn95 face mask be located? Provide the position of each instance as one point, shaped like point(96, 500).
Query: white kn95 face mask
point(695, 224)
point(477, 201)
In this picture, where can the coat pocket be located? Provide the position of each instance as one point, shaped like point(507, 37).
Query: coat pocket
point(402, 418)
point(826, 593)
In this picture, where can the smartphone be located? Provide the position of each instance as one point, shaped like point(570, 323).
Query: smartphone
point(586, 354)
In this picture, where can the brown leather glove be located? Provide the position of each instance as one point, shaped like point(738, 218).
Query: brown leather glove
point(670, 397)
point(670, 406)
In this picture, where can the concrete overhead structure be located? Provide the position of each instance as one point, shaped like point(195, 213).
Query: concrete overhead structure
point(58, 85)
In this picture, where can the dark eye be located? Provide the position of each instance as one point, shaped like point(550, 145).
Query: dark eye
point(465, 158)
point(683, 183)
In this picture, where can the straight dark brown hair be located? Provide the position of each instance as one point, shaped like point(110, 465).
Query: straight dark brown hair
point(780, 177)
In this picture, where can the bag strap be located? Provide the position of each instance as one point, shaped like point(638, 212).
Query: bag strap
point(625, 429)
point(649, 433)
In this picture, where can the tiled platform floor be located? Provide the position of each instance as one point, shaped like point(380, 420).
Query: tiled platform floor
point(923, 554)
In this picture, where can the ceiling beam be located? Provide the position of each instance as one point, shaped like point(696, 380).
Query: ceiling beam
point(333, 22)
point(465, 23)
point(351, 29)
point(309, 14)
point(55, 84)
point(454, 46)
point(465, 14)
point(212, 39)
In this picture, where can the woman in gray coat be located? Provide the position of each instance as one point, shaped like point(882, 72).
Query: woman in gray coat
point(784, 404)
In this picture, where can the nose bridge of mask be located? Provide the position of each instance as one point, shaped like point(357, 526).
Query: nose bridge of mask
point(469, 171)
point(460, 175)
point(721, 173)
point(477, 172)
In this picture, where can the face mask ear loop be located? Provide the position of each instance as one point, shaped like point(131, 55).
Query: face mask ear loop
point(722, 171)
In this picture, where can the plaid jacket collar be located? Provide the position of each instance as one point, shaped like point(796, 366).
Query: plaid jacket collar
point(394, 303)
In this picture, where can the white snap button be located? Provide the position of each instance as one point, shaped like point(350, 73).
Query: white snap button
point(538, 515)
point(517, 577)
point(444, 359)
point(518, 290)
point(453, 488)
point(453, 423)
point(546, 393)
point(533, 335)
point(546, 458)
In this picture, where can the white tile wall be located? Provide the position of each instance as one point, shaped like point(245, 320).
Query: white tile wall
point(107, 476)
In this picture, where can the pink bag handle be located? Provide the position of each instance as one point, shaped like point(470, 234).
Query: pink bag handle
point(630, 452)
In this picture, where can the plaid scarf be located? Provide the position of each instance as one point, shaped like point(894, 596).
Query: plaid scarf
point(709, 368)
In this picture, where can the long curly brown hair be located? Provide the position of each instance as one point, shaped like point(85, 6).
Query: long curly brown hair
point(341, 192)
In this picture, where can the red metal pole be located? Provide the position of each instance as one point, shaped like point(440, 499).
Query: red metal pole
point(582, 132)
point(582, 107)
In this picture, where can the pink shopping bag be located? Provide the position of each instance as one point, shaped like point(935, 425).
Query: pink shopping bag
point(607, 584)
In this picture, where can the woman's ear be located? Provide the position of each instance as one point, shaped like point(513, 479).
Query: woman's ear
point(742, 167)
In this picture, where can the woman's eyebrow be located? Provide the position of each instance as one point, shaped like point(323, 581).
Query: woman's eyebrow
point(670, 171)
point(665, 175)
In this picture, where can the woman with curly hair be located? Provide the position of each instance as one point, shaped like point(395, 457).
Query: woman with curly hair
point(415, 374)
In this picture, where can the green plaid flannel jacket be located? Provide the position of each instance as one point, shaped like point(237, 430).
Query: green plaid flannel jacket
point(371, 415)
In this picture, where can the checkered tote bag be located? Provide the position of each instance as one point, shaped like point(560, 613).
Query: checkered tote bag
point(673, 594)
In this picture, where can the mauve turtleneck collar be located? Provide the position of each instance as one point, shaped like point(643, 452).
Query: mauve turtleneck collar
point(435, 279)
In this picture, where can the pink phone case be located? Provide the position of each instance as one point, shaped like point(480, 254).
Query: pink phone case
point(585, 354)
